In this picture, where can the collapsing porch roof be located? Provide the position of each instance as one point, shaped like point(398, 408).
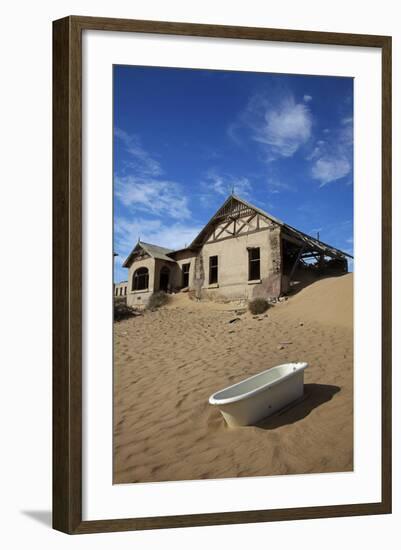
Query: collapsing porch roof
point(310, 243)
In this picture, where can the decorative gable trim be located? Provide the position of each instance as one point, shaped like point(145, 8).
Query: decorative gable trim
point(234, 218)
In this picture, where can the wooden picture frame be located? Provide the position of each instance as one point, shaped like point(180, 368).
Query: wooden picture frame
point(67, 274)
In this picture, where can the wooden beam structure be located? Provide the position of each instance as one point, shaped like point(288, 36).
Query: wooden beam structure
point(296, 263)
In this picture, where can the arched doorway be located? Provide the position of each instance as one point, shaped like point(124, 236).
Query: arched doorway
point(164, 278)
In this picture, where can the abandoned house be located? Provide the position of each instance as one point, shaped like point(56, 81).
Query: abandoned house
point(120, 289)
point(241, 253)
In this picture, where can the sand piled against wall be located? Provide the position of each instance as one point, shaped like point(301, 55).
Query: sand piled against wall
point(328, 301)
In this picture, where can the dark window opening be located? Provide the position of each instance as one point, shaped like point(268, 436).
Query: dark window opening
point(185, 275)
point(140, 280)
point(254, 264)
point(125, 291)
point(213, 270)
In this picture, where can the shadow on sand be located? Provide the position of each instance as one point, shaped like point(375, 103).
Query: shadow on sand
point(314, 396)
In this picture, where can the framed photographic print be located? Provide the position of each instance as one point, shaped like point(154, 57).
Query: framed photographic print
point(222, 274)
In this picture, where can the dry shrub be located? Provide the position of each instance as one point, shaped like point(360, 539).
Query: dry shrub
point(157, 300)
point(122, 311)
point(258, 305)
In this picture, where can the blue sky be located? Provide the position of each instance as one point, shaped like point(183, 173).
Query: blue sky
point(183, 139)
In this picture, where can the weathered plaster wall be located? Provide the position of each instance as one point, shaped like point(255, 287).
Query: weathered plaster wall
point(233, 266)
point(140, 297)
point(172, 267)
point(183, 257)
point(270, 286)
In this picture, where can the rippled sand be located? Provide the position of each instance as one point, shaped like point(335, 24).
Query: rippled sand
point(168, 362)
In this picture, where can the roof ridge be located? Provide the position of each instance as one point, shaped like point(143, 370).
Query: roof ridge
point(158, 245)
point(154, 250)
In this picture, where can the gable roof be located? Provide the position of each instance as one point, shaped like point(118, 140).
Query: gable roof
point(231, 205)
point(154, 251)
point(235, 204)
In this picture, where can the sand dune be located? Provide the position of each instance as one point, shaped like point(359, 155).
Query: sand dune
point(328, 301)
point(168, 362)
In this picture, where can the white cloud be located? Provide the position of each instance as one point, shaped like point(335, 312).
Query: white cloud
point(127, 232)
point(142, 161)
point(330, 169)
point(318, 150)
point(225, 184)
point(157, 197)
point(280, 126)
point(346, 133)
point(174, 236)
point(233, 131)
point(276, 186)
point(332, 157)
point(156, 208)
point(285, 128)
point(307, 98)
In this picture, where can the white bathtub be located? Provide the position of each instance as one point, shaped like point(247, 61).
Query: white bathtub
point(261, 395)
